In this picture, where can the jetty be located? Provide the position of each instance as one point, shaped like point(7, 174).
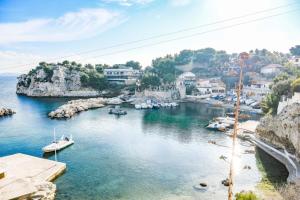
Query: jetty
point(23, 176)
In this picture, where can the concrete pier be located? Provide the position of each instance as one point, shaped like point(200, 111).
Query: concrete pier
point(24, 175)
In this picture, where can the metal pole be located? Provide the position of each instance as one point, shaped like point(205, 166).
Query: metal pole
point(55, 156)
point(243, 56)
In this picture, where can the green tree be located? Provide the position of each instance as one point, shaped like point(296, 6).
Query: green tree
point(89, 66)
point(150, 81)
point(204, 56)
point(270, 103)
point(84, 79)
point(295, 50)
point(282, 87)
point(184, 57)
point(99, 68)
point(42, 63)
point(133, 64)
point(65, 63)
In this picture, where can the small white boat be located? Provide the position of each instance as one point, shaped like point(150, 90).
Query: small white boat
point(149, 106)
point(62, 143)
point(137, 106)
point(144, 106)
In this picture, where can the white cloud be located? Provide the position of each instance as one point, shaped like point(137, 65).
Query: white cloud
point(129, 2)
point(71, 26)
point(180, 2)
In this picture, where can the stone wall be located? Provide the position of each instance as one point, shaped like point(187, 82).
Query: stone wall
point(282, 104)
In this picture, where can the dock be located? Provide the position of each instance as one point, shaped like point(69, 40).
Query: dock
point(23, 174)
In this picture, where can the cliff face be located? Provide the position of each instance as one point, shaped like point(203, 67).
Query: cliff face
point(282, 130)
point(59, 81)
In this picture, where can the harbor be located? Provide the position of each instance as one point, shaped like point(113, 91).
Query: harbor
point(126, 157)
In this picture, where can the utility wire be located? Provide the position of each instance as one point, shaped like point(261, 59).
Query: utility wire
point(191, 35)
point(160, 35)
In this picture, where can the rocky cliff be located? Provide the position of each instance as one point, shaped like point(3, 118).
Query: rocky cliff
point(54, 81)
point(282, 130)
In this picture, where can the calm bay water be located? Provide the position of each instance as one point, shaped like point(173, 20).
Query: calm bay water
point(149, 155)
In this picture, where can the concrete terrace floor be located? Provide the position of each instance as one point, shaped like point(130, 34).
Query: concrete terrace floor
point(24, 172)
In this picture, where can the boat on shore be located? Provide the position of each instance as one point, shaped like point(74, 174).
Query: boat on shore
point(62, 143)
point(155, 105)
point(219, 126)
point(226, 120)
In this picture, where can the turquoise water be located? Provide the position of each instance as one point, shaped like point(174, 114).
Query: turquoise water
point(149, 155)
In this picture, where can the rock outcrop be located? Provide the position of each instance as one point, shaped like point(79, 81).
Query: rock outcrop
point(6, 112)
point(45, 191)
point(282, 130)
point(57, 81)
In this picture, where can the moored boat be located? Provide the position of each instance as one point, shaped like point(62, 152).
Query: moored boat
point(62, 143)
point(117, 111)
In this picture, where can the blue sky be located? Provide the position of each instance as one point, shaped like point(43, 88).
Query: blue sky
point(36, 30)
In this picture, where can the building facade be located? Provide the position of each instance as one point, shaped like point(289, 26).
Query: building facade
point(124, 75)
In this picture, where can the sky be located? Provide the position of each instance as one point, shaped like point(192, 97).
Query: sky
point(115, 31)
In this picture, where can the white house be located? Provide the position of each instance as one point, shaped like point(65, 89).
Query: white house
point(124, 75)
point(295, 60)
point(271, 69)
point(257, 90)
point(188, 78)
point(210, 86)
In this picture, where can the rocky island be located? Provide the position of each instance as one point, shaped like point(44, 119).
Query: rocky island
point(6, 112)
point(61, 80)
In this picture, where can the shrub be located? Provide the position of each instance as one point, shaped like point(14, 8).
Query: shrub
point(246, 196)
point(296, 85)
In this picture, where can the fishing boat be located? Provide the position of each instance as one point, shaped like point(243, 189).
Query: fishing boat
point(62, 143)
point(117, 111)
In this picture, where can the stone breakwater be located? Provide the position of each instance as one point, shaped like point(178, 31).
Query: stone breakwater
point(75, 106)
point(6, 112)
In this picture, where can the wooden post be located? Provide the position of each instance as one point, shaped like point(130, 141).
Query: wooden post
point(243, 57)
